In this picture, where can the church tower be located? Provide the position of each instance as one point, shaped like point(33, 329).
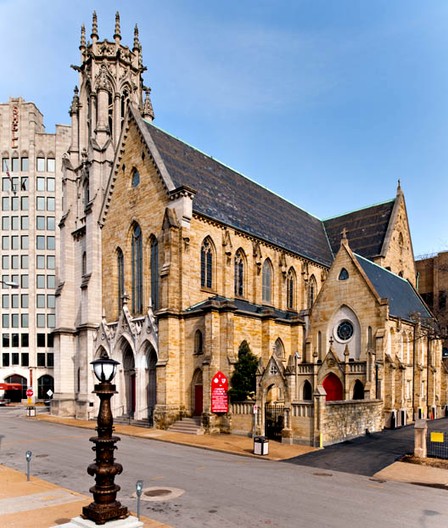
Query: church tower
point(110, 79)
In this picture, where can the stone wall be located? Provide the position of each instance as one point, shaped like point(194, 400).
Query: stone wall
point(347, 419)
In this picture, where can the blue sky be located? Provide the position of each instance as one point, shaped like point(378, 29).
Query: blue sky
point(327, 103)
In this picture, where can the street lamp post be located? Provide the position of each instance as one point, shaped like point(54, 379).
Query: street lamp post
point(104, 507)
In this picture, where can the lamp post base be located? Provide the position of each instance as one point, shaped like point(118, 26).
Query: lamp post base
point(79, 522)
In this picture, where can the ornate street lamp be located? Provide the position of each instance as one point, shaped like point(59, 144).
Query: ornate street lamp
point(104, 507)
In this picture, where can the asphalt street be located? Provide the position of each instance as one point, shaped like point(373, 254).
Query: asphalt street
point(212, 490)
point(368, 454)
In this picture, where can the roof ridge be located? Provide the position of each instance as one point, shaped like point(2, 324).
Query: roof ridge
point(216, 160)
point(358, 210)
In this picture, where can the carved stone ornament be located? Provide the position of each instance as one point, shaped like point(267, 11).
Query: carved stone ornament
point(102, 81)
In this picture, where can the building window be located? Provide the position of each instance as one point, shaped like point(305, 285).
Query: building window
point(266, 288)
point(40, 164)
point(135, 179)
point(154, 274)
point(51, 165)
point(312, 291)
point(24, 164)
point(5, 359)
point(291, 289)
point(207, 264)
point(41, 340)
point(343, 274)
point(41, 359)
point(198, 342)
point(307, 391)
point(137, 270)
point(25, 359)
point(84, 263)
point(239, 274)
point(279, 349)
point(120, 268)
point(345, 330)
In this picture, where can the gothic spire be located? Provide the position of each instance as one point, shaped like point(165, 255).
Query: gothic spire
point(94, 34)
point(74, 108)
point(117, 35)
point(148, 111)
point(136, 39)
point(82, 45)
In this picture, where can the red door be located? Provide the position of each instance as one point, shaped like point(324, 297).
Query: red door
point(198, 394)
point(333, 387)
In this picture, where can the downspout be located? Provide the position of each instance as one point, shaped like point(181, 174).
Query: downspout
point(413, 370)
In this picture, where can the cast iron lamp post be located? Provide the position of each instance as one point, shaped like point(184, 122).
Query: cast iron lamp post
point(104, 507)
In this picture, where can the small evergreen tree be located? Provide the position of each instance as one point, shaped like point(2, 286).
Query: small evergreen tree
point(243, 381)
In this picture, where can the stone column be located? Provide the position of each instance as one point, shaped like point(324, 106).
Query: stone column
point(420, 431)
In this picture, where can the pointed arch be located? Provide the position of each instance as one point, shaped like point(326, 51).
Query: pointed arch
point(358, 390)
point(345, 329)
point(135, 177)
point(239, 276)
point(44, 384)
point(154, 264)
point(312, 291)
point(343, 275)
point(307, 391)
point(291, 286)
point(198, 343)
point(137, 269)
point(208, 253)
point(333, 387)
point(120, 277)
point(279, 348)
point(266, 287)
point(197, 392)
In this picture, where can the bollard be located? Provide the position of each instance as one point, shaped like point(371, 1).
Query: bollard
point(420, 430)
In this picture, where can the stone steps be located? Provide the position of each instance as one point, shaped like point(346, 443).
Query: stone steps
point(187, 426)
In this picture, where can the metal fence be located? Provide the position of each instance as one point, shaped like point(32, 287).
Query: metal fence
point(437, 444)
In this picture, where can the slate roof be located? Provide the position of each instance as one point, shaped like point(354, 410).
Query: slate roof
point(229, 197)
point(403, 299)
point(245, 306)
point(366, 229)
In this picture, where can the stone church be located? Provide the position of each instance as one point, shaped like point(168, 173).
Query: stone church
point(169, 260)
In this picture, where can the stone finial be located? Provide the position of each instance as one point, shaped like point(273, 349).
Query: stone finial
point(94, 34)
point(344, 234)
point(148, 111)
point(117, 34)
point(74, 107)
point(82, 45)
point(136, 39)
point(399, 190)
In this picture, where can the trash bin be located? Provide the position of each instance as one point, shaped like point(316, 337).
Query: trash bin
point(31, 411)
point(261, 445)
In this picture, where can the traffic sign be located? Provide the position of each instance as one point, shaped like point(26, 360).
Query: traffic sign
point(29, 393)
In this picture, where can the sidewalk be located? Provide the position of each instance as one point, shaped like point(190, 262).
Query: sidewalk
point(40, 504)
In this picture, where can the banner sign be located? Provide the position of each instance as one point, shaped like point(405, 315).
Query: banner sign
point(220, 385)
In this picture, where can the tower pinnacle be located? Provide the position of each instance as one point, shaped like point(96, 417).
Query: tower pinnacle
point(117, 35)
point(94, 35)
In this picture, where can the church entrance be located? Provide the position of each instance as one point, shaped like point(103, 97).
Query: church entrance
point(198, 393)
point(129, 381)
point(152, 384)
point(333, 387)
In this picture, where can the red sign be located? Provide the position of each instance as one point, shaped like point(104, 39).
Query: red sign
point(29, 393)
point(220, 401)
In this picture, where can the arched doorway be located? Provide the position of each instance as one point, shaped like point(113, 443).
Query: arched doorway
point(358, 390)
point(129, 381)
point(198, 393)
point(44, 384)
point(333, 387)
point(152, 384)
point(274, 412)
point(16, 396)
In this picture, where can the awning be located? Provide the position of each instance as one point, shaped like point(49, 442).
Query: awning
point(11, 386)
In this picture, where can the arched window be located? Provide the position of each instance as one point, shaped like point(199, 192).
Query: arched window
point(343, 274)
point(198, 342)
point(312, 291)
point(207, 263)
point(266, 288)
point(137, 270)
point(120, 270)
point(291, 289)
point(307, 391)
point(135, 178)
point(239, 274)
point(44, 384)
point(369, 338)
point(279, 348)
point(358, 390)
point(154, 273)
